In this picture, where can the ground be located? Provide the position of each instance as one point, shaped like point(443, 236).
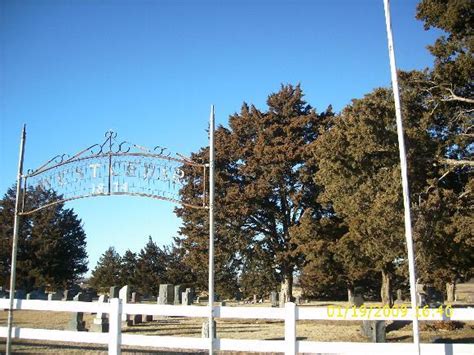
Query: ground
point(226, 328)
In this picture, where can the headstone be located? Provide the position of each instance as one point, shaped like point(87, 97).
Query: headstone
point(198, 299)
point(358, 300)
point(124, 295)
point(378, 332)
point(254, 299)
point(28, 296)
point(56, 296)
point(421, 299)
point(135, 298)
point(20, 294)
point(147, 317)
point(399, 297)
point(274, 299)
point(91, 295)
point(166, 295)
point(76, 322)
point(136, 319)
point(374, 330)
point(205, 329)
point(298, 299)
point(192, 295)
point(66, 295)
point(79, 297)
point(186, 298)
point(434, 298)
point(366, 328)
point(38, 295)
point(178, 289)
point(101, 323)
point(238, 296)
point(114, 292)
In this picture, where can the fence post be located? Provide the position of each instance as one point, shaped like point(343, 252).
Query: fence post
point(290, 328)
point(115, 326)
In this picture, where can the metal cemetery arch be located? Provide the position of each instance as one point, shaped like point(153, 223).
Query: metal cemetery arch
point(107, 169)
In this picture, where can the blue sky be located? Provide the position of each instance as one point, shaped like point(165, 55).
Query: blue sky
point(149, 70)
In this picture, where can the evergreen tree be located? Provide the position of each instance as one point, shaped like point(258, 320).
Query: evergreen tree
point(359, 169)
point(151, 269)
point(443, 220)
point(128, 268)
point(51, 245)
point(258, 275)
point(177, 272)
point(108, 271)
point(263, 186)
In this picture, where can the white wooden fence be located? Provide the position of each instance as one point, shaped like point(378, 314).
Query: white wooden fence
point(290, 314)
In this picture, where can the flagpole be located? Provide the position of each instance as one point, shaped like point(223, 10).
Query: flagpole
point(16, 225)
point(211, 231)
point(404, 173)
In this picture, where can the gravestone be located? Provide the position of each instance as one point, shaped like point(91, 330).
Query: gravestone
point(79, 297)
point(147, 317)
point(434, 298)
point(298, 299)
point(56, 296)
point(205, 329)
point(399, 297)
point(114, 292)
point(166, 295)
point(124, 295)
point(192, 295)
point(101, 323)
point(178, 289)
point(135, 298)
point(358, 298)
point(38, 295)
point(374, 330)
point(254, 301)
point(274, 299)
point(20, 294)
point(238, 296)
point(66, 295)
point(136, 319)
point(186, 298)
point(77, 322)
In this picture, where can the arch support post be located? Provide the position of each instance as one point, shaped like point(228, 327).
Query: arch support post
point(16, 226)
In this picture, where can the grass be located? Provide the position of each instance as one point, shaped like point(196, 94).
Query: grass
point(226, 328)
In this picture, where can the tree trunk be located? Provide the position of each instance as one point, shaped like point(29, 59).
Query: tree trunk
point(386, 289)
point(450, 291)
point(286, 292)
point(350, 293)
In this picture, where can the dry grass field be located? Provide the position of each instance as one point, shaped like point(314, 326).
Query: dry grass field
point(226, 328)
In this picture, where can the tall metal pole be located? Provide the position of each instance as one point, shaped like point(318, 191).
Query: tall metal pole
point(16, 225)
point(211, 231)
point(404, 173)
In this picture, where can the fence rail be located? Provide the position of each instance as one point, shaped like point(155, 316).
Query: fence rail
point(290, 314)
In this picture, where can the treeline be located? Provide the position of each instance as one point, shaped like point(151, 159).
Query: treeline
point(319, 194)
point(316, 195)
point(143, 271)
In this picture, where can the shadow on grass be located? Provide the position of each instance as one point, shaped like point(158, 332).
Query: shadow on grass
point(396, 325)
point(84, 348)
